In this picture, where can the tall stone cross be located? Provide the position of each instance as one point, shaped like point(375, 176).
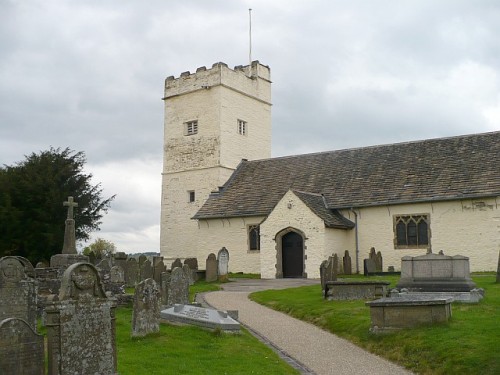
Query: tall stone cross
point(69, 246)
point(70, 203)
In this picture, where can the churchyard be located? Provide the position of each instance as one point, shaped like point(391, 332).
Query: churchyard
point(467, 344)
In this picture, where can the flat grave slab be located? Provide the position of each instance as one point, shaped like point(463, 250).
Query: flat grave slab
point(353, 290)
point(200, 316)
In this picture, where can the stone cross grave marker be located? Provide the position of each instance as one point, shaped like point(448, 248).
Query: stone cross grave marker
point(211, 268)
point(146, 313)
point(21, 349)
point(69, 246)
point(18, 291)
point(223, 264)
point(81, 325)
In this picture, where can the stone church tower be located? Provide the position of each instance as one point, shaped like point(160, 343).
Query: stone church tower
point(214, 118)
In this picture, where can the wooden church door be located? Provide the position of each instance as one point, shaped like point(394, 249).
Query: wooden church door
point(292, 255)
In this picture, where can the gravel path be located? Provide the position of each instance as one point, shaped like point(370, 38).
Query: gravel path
point(319, 351)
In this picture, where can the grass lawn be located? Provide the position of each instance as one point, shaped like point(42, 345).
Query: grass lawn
point(192, 350)
point(468, 344)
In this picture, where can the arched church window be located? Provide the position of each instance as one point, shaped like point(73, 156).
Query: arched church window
point(254, 237)
point(411, 231)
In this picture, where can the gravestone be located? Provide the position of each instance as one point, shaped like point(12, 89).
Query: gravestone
point(164, 285)
point(21, 348)
point(207, 318)
point(131, 272)
point(117, 275)
point(146, 313)
point(176, 263)
point(211, 268)
point(142, 259)
point(335, 265)
point(158, 269)
point(18, 291)
point(498, 268)
point(346, 260)
point(81, 325)
point(146, 270)
point(328, 270)
point(189, 273)
point(369, 266)
point(120, 259)
point(178, 288)
point(192, 263)
point(378, 262)
point(223, 264)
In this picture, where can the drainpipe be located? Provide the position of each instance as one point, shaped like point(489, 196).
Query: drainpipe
point(356, 238)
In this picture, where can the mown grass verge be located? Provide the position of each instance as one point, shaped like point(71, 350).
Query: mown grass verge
point(468, 344)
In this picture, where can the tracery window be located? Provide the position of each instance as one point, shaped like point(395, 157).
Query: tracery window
point(411, 231)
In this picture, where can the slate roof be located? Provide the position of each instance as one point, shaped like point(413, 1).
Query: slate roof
point(317, 204)
point(422, 171)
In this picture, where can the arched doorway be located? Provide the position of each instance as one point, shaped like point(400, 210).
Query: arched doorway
point(292, 255)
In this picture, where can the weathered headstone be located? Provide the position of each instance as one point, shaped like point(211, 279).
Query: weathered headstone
point(41, 265)
point(120, 259)
point(146, 313)
point(21, 349)
point(158, 269)
point(176, 263)
point(178, 288)
point(18, 291)
point(165, 283)
point(189, 273)
point(192, 263)
point(346, 260)
point(142, 259)
point(131, 272)
point(369, 266)
point(117, 275)
point(146, 270)
point(223, 264)
point(379, 262)
point(498, 268)
point(211, 268)
point(328, 270)
point(81, 325)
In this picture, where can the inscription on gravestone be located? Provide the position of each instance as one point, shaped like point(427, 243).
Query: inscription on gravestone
point(81, 325)
point(21, 349)
point(146, 313)
point(223, 264)
point(18, 292)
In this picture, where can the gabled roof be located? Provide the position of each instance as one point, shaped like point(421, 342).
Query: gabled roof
point(452, 168)
point(317, 204)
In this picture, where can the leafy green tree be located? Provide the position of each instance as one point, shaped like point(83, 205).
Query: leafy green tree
point(101, 248)
point(32, 192)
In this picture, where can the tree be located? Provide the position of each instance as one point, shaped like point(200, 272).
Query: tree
point(32, 192)
point(101, 248)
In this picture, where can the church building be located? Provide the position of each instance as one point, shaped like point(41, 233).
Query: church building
point(281, 217)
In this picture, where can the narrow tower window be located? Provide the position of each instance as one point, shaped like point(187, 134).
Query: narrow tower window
point(191, 196)
point(242, 127)
point(191, 128)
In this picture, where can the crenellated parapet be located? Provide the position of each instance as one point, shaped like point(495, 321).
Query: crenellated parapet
point(252, 80)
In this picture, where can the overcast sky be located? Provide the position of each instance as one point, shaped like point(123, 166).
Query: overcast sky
point(89, 75)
